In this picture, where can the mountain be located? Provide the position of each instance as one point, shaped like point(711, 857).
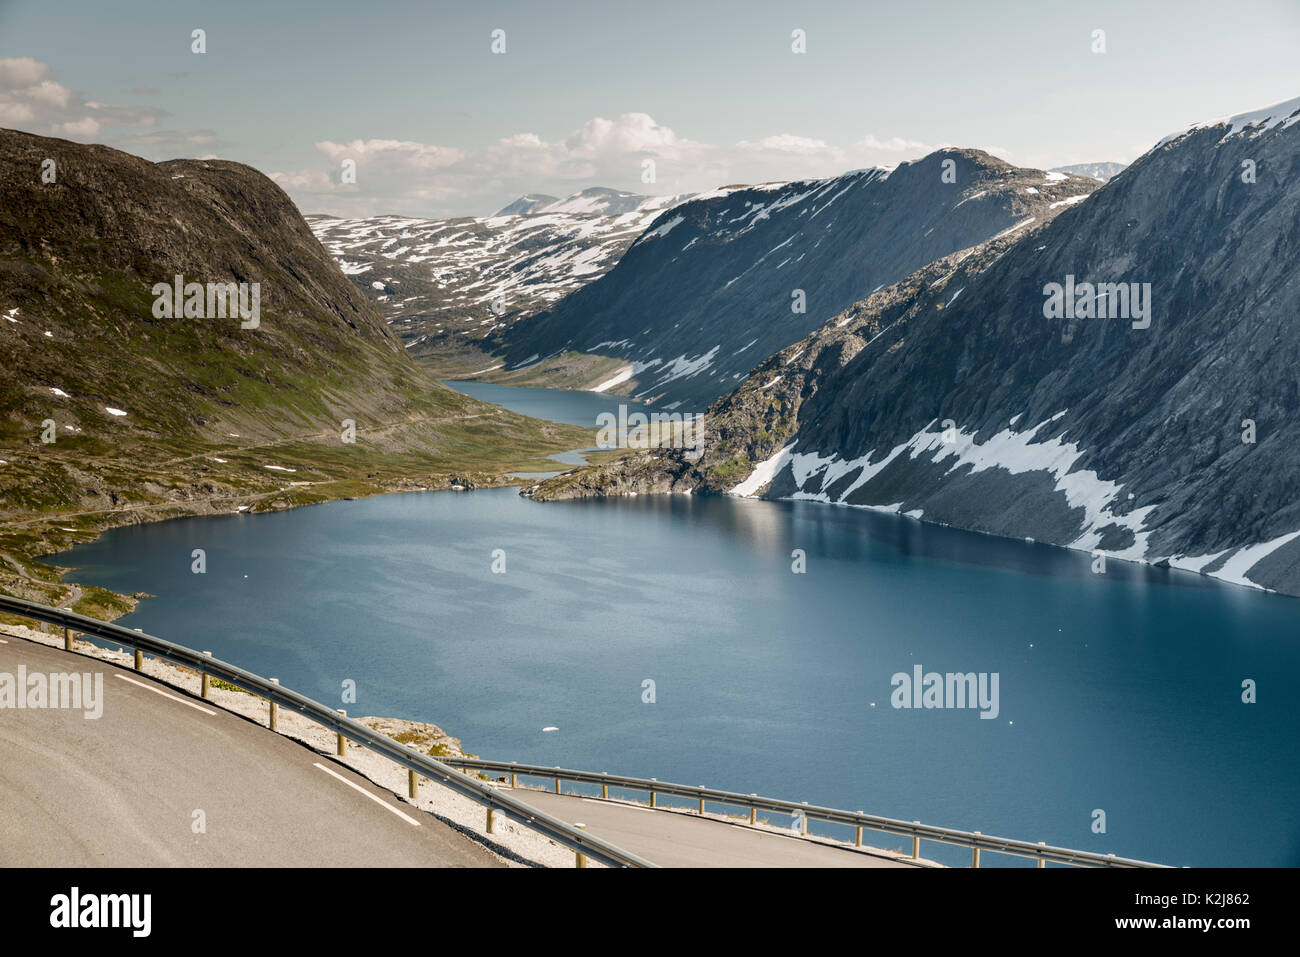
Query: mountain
point(962, 396)
point(109, 404)
point(728, 277)
point(595, 201)
point(526, 204)
point(600, 201)
point(445, 284)
point(1097, 171)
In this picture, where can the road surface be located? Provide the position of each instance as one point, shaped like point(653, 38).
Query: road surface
point(673, 839)
point(122, 790)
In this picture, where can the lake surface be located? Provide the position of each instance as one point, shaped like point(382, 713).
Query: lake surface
point(558, 405)
point(1119, 692)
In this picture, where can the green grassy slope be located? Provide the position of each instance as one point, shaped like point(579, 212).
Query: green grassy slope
point(209, 405)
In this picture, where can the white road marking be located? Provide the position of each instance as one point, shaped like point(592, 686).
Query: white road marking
point(3, 642)
point(617, 803)
point(387, 807)
point(166, 695)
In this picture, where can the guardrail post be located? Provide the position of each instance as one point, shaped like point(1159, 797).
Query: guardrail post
point(803, 822)
point(916, 844)
point(491, 820)
point(557, 785)
point(513, 782)
point(207, 680)
point(653, 796)
point(413, 784)
point(701, 800)
point(343, 742)
point(1042, 861)
point(139, 660)
point(753, 812)
point(857, 836)
point(579, 858)
point(975, 853)
point(604, 788)
point(274, 721)
point(67, 639)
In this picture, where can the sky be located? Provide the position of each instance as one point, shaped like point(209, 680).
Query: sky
point(711, 91)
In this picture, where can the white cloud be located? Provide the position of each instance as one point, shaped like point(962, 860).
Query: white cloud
point(398, 176)
point(168, 144)
point(22, 71)
point(30, 98)
point(85, 128)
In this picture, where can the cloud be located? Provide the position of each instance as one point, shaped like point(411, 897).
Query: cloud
point(169, 144)
point(31, 98)
point(632, 151)
point(22, 71)
point(419, 179)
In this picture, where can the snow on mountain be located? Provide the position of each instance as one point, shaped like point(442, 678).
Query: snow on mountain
point(463, 278)
point(528, 203)
point(1153, 427)
point(1282, 114)
point(762, 266)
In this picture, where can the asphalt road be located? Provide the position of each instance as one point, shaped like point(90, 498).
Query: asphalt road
point(673, 839)
point(122, 790)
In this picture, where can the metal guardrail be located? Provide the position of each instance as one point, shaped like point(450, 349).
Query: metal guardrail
point(976, 841)
point(579, 841)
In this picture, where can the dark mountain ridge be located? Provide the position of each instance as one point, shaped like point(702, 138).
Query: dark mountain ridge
point(717, 282)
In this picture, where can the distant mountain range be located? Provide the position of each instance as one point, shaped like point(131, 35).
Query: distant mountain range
point(1008, 391)
point(725, 278)
point(595, 201)
point(445, 284)
point(1097, 171)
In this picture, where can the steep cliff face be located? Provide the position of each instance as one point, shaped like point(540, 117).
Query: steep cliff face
point(995, 396)
point(720, 281)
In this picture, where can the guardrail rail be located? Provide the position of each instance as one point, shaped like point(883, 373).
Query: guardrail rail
point(977, 842)
point(583, 844)
point(446, 771)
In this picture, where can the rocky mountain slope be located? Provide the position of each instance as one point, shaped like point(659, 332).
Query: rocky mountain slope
point(722, 280)
point(446, 284)
point(963, 396)
point(109, 404)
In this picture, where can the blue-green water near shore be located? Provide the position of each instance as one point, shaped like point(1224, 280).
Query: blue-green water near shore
point(1119, 692)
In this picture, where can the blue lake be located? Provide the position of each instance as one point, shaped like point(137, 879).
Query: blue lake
point(558, 405)
point(1119, 692)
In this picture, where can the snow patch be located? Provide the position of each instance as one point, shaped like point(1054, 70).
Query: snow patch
point(1008, 450)
point(1281, 115)
point(622, 375)
point(762, 474)
point(663, 230)
point(1235, 568)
